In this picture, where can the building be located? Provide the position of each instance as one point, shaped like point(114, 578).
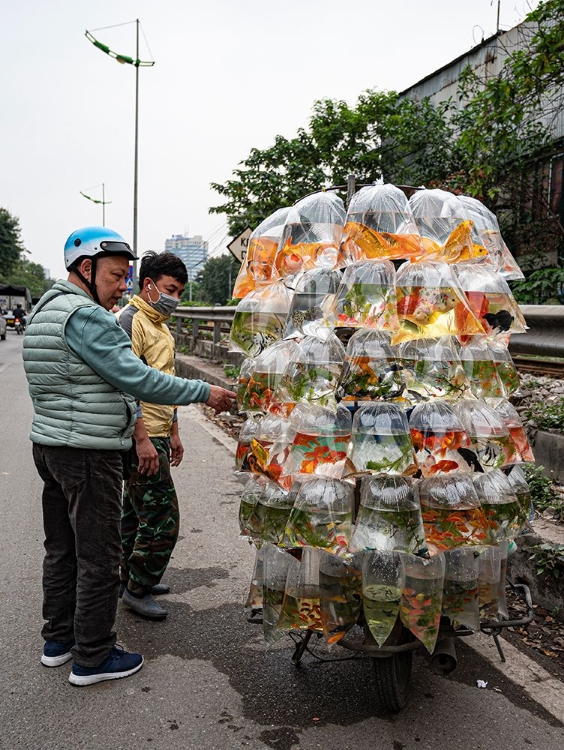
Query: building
point(543, 184)
point(192, 250)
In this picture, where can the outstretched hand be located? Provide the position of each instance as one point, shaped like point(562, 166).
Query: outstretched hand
point(220, 399)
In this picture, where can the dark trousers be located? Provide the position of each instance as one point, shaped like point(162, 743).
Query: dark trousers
point(150, 522)
point(81, 518)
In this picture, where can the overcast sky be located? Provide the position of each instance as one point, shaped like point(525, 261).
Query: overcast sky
point(229, 76)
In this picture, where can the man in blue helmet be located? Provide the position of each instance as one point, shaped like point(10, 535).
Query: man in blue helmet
point(83, 380)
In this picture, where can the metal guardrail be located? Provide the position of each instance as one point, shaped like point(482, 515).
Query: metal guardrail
point(545, 337)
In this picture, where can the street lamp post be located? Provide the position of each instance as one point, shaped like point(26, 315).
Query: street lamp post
point(138, 64)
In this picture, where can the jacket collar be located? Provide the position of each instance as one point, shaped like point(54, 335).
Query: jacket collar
point(149, 311)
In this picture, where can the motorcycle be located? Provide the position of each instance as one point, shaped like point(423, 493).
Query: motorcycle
point(20, 326)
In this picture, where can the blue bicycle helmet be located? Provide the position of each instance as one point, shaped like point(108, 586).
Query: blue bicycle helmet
point(92, 241)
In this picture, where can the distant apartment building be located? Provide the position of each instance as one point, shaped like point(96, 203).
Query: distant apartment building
point(192, 250)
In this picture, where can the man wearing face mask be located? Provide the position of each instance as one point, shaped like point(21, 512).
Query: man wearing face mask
point(150, 516)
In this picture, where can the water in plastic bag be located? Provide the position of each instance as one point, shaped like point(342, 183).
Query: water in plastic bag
point(505, 366)
point(389, 517)
point(512, 421)
point(243, 380)
point(340, 583)
point(452, 515)
point(321, 516)
point(312, 374)
point(441, 443)
point(481, 370)
point(254, 601)
point(489, 582)
point(258, 266)
point(270, 447)
point(431, 303)
point(520, 486)
point(321, 441)
point(421, 601)
point(381, 441)
point(366, 297)
point(249, 523)
point(270, 514)
point(260, 319)
point(312, 235)
point(460, 589)
point(431, 369)
point(445, 229)
point(314, 292)
point(371, 370)
point(277, 566)
point(383, 581)
point(379, 226)
point(301, 607)
point(490, 438)
point(266, 374)
point(500, 505)
point(491, 299)
point(247, 432)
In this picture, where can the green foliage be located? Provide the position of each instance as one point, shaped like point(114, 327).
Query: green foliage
point(31, 275)
point(487, 142)
point(382, 134)
point(549, 559)
point(218, 278)
point(231, 371)
point(547, 415)
point(11, 248)
point(544, 286)
point(542, 489)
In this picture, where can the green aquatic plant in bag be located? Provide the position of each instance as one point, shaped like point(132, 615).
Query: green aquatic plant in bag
point(321, 516)
point(389, 517)
point(277, 565)
point(460, 589)
point(380, 440)
point(383, 581)
point(301, 607)
point(340, 585)
point(502, 510)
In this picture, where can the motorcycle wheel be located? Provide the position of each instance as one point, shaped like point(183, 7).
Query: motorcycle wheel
point(393, 676)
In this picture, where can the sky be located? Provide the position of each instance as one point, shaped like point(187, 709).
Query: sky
point(229, 75)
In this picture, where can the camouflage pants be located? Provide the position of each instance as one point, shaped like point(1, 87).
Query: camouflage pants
point(150, 522)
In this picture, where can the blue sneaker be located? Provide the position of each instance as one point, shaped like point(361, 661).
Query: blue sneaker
point(119, 663)
point(56, 653)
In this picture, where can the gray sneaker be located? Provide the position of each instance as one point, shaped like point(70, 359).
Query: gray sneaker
point(147, 605)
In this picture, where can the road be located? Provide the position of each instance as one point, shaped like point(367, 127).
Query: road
point(207, 682)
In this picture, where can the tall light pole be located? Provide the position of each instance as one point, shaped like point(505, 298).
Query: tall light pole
point(138, 64)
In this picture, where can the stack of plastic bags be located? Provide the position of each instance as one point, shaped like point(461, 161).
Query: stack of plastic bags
point(381, 451)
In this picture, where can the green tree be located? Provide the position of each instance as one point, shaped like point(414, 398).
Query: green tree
point(380, 136)
point(488, 142)
point(30, 275)
point(218, 278)
point(11, 248)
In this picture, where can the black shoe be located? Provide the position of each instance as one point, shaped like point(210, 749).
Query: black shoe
point(56, 653)
point(157, 590)
point(146, 605)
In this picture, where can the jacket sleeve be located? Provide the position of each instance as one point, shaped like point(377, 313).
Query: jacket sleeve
point(96, 337)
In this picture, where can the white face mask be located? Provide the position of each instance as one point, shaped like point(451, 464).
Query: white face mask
point(165, 304)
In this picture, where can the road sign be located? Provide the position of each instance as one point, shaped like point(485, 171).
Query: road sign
point(238, 246)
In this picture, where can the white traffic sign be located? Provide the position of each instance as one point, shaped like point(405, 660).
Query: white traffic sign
point(238, 247)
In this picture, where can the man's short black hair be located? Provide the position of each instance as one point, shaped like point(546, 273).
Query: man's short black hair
point(154, 265)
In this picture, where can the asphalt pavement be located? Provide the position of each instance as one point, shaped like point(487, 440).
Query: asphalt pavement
point(208, 682)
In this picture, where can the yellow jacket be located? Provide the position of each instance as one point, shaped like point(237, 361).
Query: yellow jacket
point(151, 341)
